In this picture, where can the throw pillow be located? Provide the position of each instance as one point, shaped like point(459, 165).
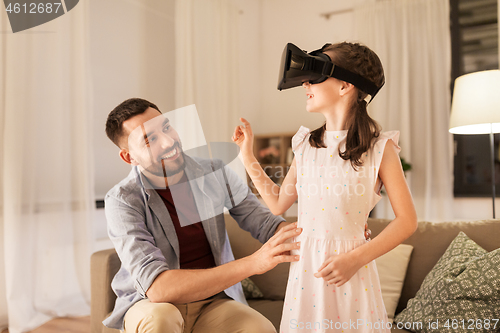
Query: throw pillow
point(391, 269)
point(460, 294)
point(250, 289)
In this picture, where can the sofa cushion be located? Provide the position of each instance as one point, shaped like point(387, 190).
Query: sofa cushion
point(250, 289)
point(391, 269)
point(462, 289)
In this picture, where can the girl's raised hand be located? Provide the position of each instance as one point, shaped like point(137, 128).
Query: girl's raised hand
point(243, 137)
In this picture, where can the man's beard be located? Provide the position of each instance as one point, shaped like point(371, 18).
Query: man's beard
point(164, 168)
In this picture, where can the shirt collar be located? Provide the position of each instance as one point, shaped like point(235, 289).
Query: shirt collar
point(192, 169)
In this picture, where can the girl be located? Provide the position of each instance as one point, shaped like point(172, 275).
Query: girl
point(337, 174)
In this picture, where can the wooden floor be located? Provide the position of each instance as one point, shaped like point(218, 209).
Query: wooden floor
point(64, 325)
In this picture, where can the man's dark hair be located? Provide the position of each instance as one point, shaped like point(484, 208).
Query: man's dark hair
point(126, 110)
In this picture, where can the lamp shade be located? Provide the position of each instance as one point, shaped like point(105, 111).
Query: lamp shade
point(475, 108)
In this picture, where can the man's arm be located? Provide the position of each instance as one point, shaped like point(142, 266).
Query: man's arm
point(282, 225)
point(151, 274)
point(184, 286)
point(134, 244)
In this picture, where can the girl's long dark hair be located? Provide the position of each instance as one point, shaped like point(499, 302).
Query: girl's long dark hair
point(362, 129)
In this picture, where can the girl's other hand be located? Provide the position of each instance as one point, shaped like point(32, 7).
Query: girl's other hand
point(368, 232)
point(338, 269)
point(243, 137)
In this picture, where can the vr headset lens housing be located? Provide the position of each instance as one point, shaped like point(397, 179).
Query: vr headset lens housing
point(298, 66)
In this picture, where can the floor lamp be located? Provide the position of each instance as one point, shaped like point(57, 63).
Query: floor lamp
point(475, 109)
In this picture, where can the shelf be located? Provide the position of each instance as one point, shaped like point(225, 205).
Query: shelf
point(274, 153)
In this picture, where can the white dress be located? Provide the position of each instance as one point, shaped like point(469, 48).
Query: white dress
point(333, 206)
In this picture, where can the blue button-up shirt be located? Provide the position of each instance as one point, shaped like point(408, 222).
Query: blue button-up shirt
point(142, 232)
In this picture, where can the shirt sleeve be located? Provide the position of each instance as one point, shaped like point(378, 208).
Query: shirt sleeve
point(134, 244)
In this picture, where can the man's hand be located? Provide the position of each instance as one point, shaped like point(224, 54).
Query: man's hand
point(189, 285)
point(276, 250)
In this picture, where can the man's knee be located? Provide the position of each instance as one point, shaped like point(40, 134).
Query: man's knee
point(153, 317)
point(257, 324)
point(249, 320)
point(166, 316)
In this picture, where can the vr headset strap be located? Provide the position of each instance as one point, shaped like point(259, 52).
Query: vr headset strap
point(353, 78)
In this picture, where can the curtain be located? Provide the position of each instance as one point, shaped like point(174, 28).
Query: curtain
point(206, 44)
point(412, 39)
point(46, 169)
point(206, 74)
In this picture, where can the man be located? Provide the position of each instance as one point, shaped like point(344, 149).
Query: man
point(178, 272)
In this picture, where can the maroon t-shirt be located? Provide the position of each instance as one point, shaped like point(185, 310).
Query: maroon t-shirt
point(195, 251)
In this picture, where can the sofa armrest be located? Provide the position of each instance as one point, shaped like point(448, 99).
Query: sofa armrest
point(103, 267)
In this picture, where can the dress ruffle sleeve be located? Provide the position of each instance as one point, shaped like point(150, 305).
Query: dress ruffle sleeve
point(379, 147)
point(299, 138)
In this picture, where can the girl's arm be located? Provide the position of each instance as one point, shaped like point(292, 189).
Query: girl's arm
point(277, 198)
point(339, 269)
point(405, 223)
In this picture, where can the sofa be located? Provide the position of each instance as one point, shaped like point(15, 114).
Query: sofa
point(429, 243)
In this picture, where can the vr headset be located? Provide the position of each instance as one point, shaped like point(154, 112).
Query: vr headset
point(298, 66)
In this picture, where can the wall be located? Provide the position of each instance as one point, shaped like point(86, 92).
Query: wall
point(131, 55)
point(300, 23)
point(3, 294)
point(250, 32)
